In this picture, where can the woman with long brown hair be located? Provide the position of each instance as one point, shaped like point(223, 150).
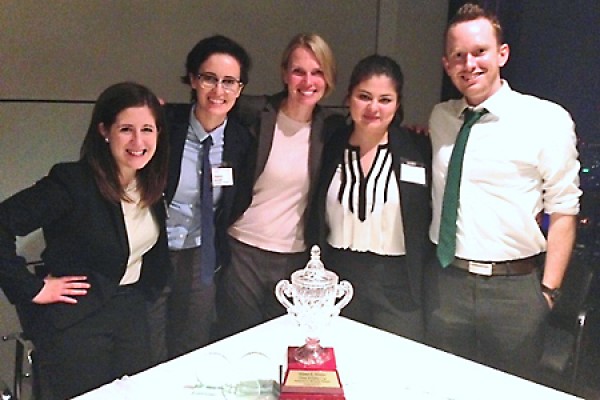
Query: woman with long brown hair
point(103, 220)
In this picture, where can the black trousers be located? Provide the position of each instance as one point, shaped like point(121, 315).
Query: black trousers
point(382, 295)
point(107, 345)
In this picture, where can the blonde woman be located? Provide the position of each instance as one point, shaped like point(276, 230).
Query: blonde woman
point(267, 241)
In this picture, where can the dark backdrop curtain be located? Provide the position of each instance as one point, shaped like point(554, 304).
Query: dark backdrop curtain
point(554, 54)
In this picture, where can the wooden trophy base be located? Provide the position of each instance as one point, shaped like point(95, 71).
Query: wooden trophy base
point(311, 382)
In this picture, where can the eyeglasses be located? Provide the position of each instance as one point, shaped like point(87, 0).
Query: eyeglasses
point(210, 81)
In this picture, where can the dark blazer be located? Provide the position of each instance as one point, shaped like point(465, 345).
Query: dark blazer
point(259, 114)
point(238, 145)
point(415, 198)
point(85, 235)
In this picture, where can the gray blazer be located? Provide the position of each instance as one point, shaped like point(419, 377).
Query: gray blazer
point(259, 114)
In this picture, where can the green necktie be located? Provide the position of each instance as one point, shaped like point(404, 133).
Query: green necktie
point(446, 248)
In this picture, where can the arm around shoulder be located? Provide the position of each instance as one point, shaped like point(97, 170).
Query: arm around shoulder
point(247, 109)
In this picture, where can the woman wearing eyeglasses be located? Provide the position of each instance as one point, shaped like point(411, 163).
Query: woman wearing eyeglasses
point(216, 70)
point(267, 241)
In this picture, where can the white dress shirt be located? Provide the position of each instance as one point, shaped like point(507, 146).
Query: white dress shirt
point(520, 159)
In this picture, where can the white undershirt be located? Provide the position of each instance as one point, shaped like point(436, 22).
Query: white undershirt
point(142, 234)
point(273, 221)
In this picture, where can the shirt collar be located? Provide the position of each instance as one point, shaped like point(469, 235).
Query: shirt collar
point(199, 131)
point(494, 105)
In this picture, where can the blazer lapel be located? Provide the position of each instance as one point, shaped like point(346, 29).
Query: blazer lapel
point(315, 150)
point(265, 139)
point(116, 215)
point(178, 130)
point(403, 148)
point(232, 144)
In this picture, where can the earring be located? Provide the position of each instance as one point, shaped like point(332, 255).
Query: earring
point(106, 139)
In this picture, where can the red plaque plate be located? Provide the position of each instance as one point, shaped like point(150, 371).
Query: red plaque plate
point(311, 382)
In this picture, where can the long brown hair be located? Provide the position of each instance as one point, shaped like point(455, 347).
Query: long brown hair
point(151, 179)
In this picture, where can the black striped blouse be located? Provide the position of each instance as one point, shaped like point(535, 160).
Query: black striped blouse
point(363, 211)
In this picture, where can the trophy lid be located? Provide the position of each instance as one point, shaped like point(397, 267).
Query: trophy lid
point(314, 274)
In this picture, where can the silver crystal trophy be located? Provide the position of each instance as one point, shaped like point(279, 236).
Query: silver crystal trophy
point(314, 291)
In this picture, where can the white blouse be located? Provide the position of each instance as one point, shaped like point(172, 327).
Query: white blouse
point(363, 212)
point(142, 234)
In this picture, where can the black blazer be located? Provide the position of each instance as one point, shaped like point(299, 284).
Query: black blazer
point(259, 114)
point(415, 198)
point(85, 235)
point(238, 145)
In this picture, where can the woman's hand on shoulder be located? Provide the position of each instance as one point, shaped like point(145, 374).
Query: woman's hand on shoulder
point(64, 289)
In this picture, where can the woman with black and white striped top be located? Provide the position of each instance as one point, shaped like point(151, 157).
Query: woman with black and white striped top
point(373, 203)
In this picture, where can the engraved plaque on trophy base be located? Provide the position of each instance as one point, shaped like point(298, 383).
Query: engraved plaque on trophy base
point(311, 382)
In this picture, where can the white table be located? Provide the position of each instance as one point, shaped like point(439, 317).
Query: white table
point(372, 365)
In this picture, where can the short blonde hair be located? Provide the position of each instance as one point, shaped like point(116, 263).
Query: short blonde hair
point(322, 52)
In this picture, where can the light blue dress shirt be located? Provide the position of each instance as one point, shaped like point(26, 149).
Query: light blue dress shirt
point(183, 224)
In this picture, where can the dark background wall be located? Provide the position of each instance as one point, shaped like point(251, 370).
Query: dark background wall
point(555, 54)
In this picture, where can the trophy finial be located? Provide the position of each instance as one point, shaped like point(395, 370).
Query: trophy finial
point(314, 266)
point(315, 252)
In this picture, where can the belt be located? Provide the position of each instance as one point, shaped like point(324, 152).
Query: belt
point(503, 268)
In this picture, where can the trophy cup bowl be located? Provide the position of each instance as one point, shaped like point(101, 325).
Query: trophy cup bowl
point(313, 291)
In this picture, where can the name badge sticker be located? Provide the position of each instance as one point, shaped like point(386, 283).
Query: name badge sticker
point(222, 176)
point(413, 173)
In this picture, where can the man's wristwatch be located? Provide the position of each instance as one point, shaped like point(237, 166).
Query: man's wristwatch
point(554, 294)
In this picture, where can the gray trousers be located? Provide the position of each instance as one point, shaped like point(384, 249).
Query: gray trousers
point(247, 290)
point(181, 319)
point(497, 320)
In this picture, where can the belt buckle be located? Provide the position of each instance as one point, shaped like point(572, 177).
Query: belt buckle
point(481, 268)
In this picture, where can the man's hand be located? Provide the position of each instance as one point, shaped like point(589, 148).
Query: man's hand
point(549, 300)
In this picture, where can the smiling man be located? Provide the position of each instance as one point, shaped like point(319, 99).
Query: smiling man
point(500, 160)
